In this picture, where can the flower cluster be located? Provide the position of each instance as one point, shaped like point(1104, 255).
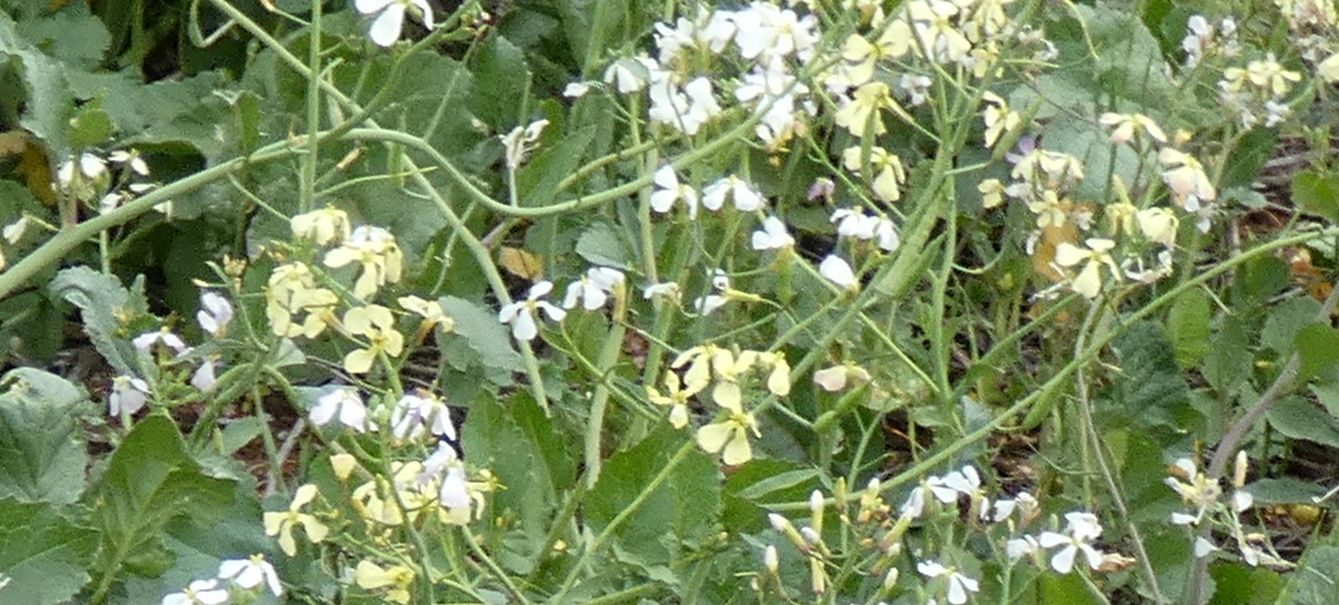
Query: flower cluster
point(1203, 494)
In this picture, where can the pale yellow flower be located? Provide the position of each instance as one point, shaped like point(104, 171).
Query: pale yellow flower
point(1127, 127)
point(729, 437)
point(863, 109)
point(292, 291)
point(397, 578)
point(862, 56)
point(889, 175)
point(1328, 69)
point(377, 325)
point(1098, 254)
point(992, 193)
point(1186, 178)
point(324, 226)
point(375, 250)
point(676, 396)
point(998, 117)
point(282, 523)
point(431, 311)
point(1158, 225)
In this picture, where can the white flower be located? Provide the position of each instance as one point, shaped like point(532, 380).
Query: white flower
point(772, 236)
point(669, 191)
point(199, 592)
point(521, 314)
point(667, 289)
point(1081, 528)
point(203, 378)
point(132, 159)
point(856, 224)
point(706, 305)
point(630, 75)
point(215, 313)
point(128, 395)
point(454, 490)
point(745, 197)
point(90, 166)
point(250, 573)
point(576, 90)
point(13, 232)
point(593, 289)
point(838, 272)
point(145, 342)
point(687, 109)
point(344, 403)
point(386, 28)
point(959, 586)
point(415, 414)
point(1022, 546)
point(1203, 547)
point(518, 143)
point(1186, 178)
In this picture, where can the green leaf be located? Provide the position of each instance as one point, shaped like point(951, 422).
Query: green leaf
point(1299, 419)
point(42, 454)
point(1149, 386)
point(1317, 193)
point(1318, 347)
point(49, 102)
point(105, 305)
point(1228, 364)
point(502, 82)
point(1242, 585)
point(151, 480)
point(44, 555)
point(600, 244)
point(1068, 589)
point(1188, 323)
point(1313, 583)
point(682, 509)
point(485, 337)
point(72, 35)
point(537, 181)
point(1286, 320)
point(1258, 280)
point(1284, 490)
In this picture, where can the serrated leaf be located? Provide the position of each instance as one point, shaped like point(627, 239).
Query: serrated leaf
point(1188, 324)
point(682, 509)
point(151, 480)
point(42, 454)
point(1299, 419)
point(1314, 582)
point(49, 102)
point(1149, 386)
point(103, 303)
point(43, 555)
point(72, 35)
point(486, 337)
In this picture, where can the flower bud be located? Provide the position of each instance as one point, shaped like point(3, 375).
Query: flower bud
point(783, 526)
point(816, 506)
point(1239, 470)
point(890, 580)
point(771, 560)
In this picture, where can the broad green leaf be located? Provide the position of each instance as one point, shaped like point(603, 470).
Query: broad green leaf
point(49, 102)
point(1314, 582)
point(502, 83)
point(152, 480)
point(42, 451)
point(1150, 387)
point(1284, 490)
point(486, 341)
point(43, 555)
point(1317, 193)
point(1068, 589)
point(525, 462)
point(1188, 324)
point(1228, 364)
point(71, 35)
point(601, 245)
point(1242, 585)
point(682, 508)
point(106, 306)
point(1286, 320)
point(537, 181)
point(1299, 419)
point(1318, 347)
point(1249, 156)
point(1258, 280)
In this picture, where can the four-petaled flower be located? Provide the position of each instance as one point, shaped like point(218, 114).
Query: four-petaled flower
point(199, 592)
point(669, 191)
point(676, 396)
point(1080, 530)
point(343, 403)
point(729, 436)
point(593, 289)
point(250, 573)
point(283, 522)
point(522, 313)
point(128, 395)
point(215, 314)
point(1089, 280)
point(377, 325)
point(959, 585)
point(419, 413)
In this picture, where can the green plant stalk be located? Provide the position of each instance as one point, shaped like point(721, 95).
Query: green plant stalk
point(1061, 378)
point(492, 566)
point(307, 196)
point(609, 353)
point(71, 237)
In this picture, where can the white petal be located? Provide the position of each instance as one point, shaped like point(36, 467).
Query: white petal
point(837, 271)
point(386, 28)
point(524, 327)
point(1063, 561)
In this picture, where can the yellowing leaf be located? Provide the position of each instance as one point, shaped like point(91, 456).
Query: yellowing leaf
point(520, 263)
point(36, 173)
point(12, 142)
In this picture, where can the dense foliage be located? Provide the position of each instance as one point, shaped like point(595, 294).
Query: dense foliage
point(620, 301)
